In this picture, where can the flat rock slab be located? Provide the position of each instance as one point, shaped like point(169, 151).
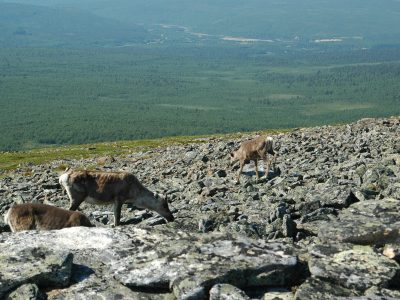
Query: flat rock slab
point(332, 196)
point(358, 269)
point(191, 264)
point(95, 287)
point(88, 246)
point(73, 239)
point(367, 222)
point(316, 289)
point(39, 265)
point(375, 291)
point(162, 259)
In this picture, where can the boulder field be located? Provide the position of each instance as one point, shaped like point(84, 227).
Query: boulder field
point(325, 224)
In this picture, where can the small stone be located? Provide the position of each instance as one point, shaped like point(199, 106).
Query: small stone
point(278, 296)
point(288, 226)
point(392, 251)
point(26, 292)
point(206, 225)
point(205, 158)
point(227, 292)
point(221, 173)
point(358, 268)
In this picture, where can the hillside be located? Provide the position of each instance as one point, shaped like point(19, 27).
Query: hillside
point(323, 225)
point(30, 25)
point(354, 22)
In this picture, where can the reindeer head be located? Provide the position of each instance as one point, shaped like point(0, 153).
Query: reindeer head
point(163, 208)
point(234, 157)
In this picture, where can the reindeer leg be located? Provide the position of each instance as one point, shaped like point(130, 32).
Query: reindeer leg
point(117, 212)
point(75, 199)
point(255, 163)
point(240, 171)
point(267, 168)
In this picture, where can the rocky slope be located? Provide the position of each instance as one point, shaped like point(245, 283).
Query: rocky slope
point(324, 225)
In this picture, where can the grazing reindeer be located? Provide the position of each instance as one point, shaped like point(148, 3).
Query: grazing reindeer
point(111, 187)
point(35, 216)
point(254, 149)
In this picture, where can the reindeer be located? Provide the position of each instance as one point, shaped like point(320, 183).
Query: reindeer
point(254, 149)
point(97, 187)
point(35, 216)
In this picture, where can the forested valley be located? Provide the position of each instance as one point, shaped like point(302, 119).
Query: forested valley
point(53, 96)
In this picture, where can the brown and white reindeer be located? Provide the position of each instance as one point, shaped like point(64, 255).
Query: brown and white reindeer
point(97, 187)
point(254, 149)
point(35, 216)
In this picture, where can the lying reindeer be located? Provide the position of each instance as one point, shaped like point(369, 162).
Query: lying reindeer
point(35, 216)
point(254, 149)
point(111, 187)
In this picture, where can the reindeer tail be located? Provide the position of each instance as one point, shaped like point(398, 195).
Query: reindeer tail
point(269, 144)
